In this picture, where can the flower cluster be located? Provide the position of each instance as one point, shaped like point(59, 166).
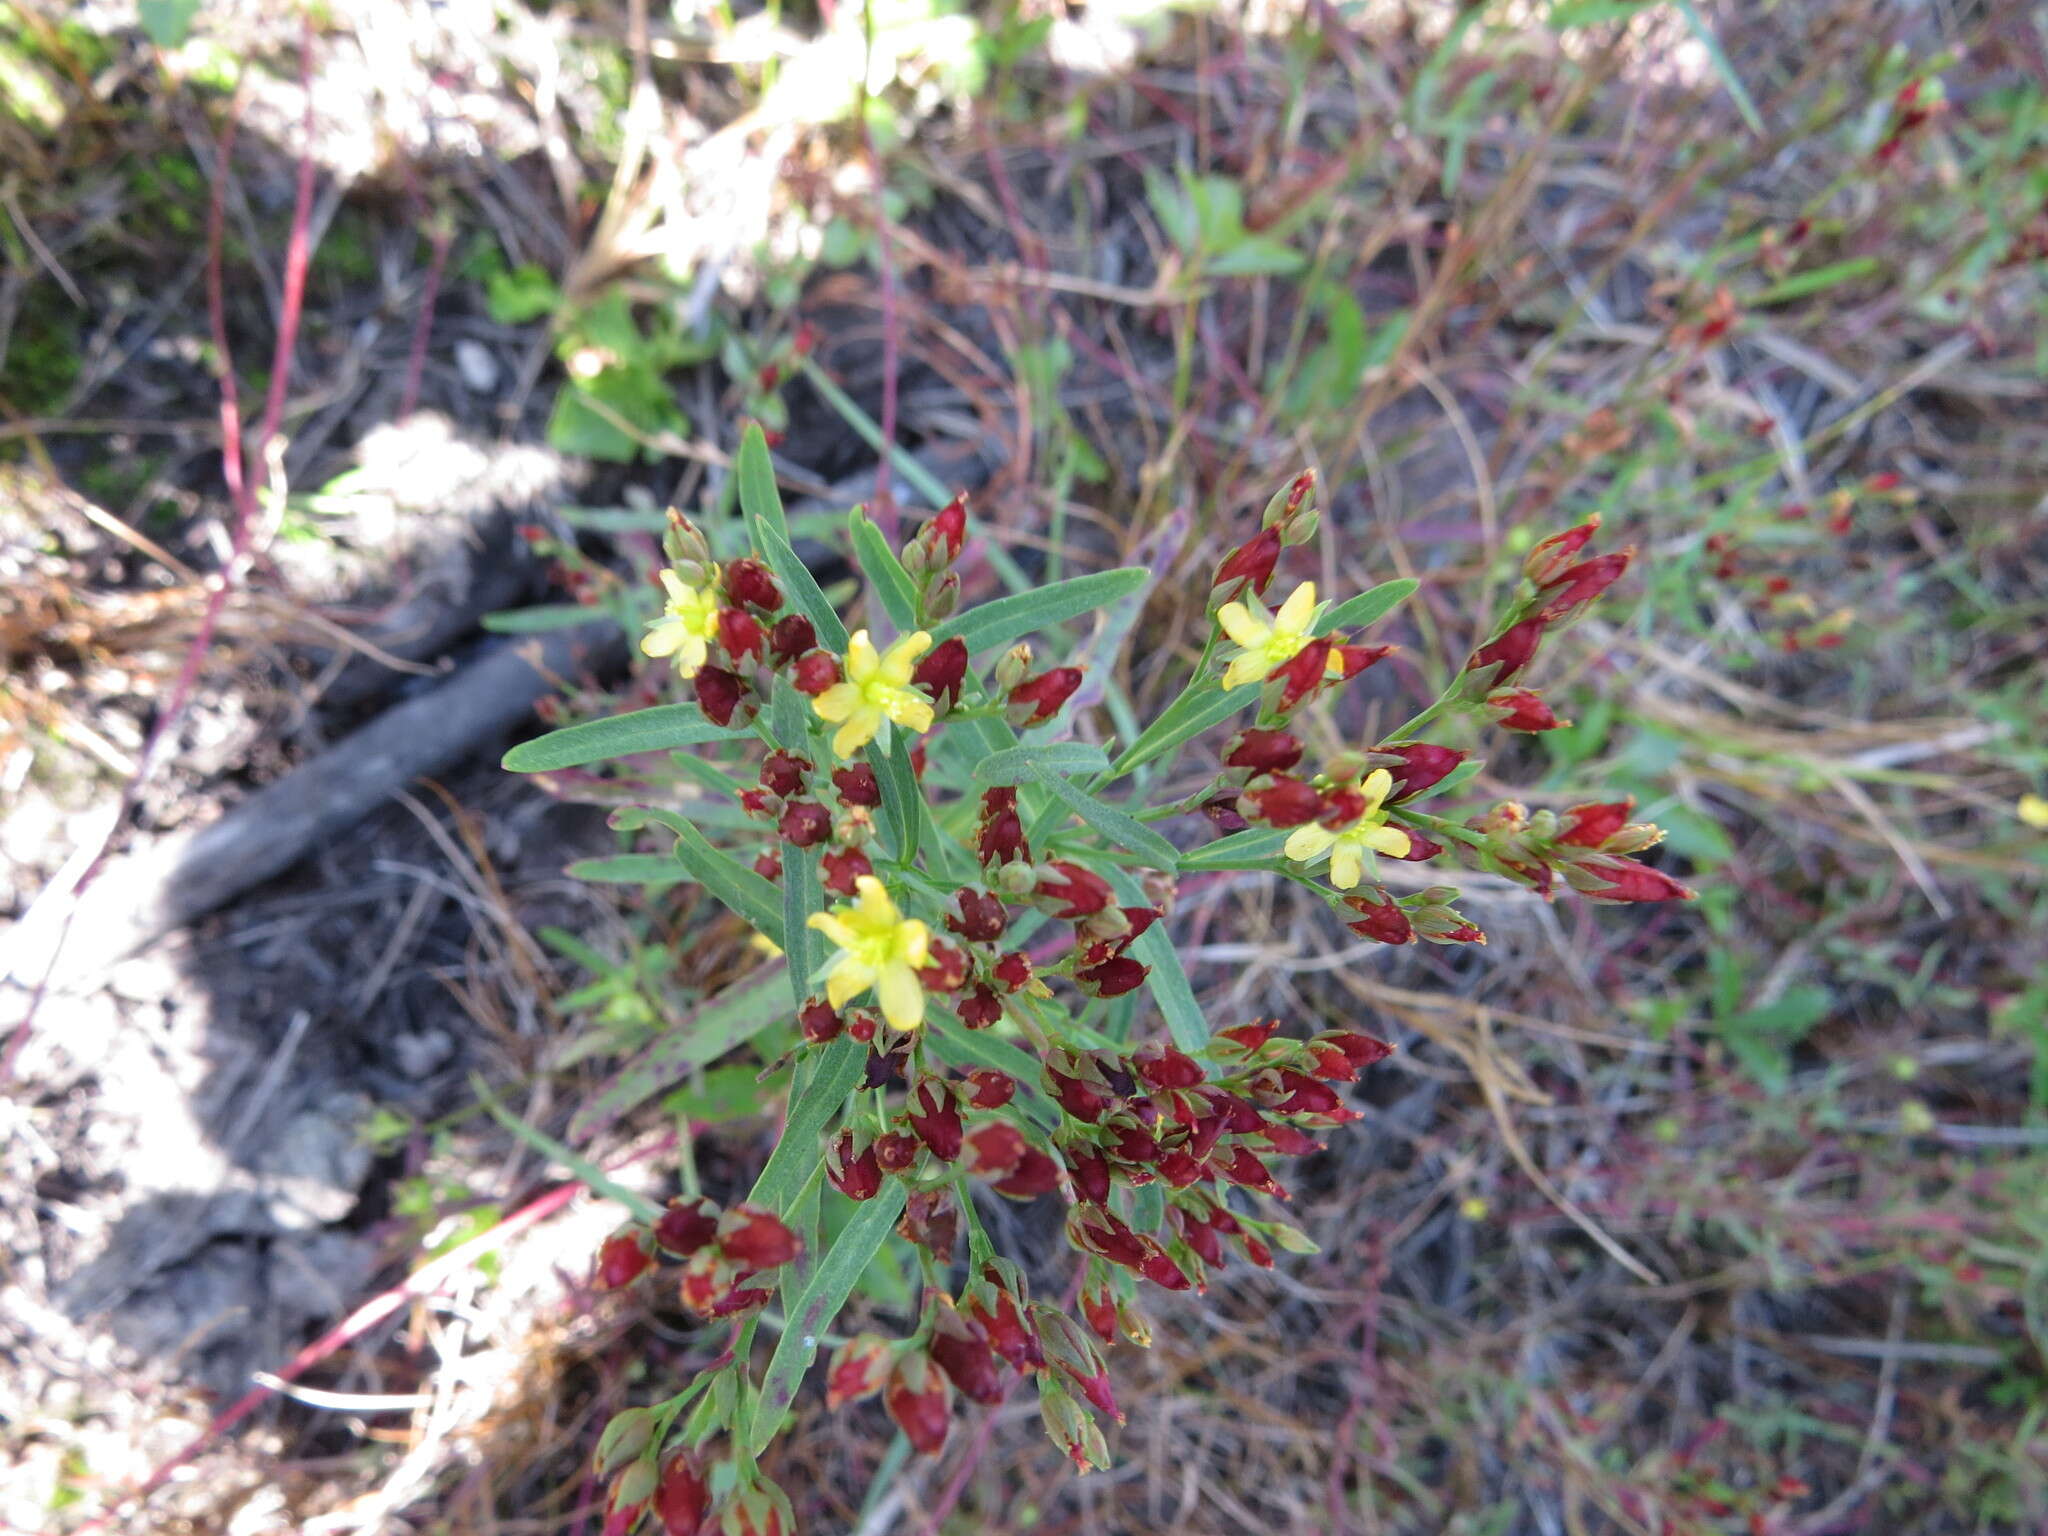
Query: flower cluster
point(974, 901)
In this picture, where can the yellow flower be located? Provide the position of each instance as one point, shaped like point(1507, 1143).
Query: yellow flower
point(1347, 848)
point(2033, 811)
point(688, 624)
point(877, 687)
point(878, 947)
point(1268, 640)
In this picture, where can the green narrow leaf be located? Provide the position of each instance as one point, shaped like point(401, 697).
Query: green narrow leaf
point(824, 1082)
point(1722, 66)
point(814, 1309)
point(1254, 849)
point(1009, 619)
point(1203, 705)
point(582, 1167)
point(760, 501)
point(902, 817)
point(662, 728)
point(802, 894)
point(1165, 977)
point(733, 883)
point(540, 618)
point(1800, 284)
point(887, 579)
point(1123, 830)
point(729, 1020)
point(1367, 607)
point(1016, 765)
point(631, 869)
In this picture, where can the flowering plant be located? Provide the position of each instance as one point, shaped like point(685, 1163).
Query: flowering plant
point(973, 893)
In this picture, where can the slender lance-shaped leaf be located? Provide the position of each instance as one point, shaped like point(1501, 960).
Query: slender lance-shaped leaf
point(818, 1304)
point(649, 869)
point(1368, 607)
point(802, 894)
point(538, 619)
point(890, 583)
point(724, 876)
point(1121, 829)
point(832, 1074)
point(1164, 975)
point(729, 1020)
point(1035, 764)
point(1008, 619)
point(1254, 849)
point(761, 504)
point(582, 1167)
point(1203, 705)
point(662, 728)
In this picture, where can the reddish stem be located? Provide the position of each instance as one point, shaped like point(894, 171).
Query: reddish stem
point(430, 292)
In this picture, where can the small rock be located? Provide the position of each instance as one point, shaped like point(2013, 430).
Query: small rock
point(478, 368)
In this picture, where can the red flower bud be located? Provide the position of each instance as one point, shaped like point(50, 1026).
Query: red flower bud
point(977, 916)
point(947, 532)
point(1380, 918)
point(1283, 803)
point(1423, 766)
point(1077, 1098)
point(1249, 1037)
point(961, 1350)
point(747, 582)
point(1099, 1309)
point(1243, 1167)
point(783, 773)
point(1014, 971)
point(1420, 849)
point(979, 1008)
point(994, 1149)
point(1513, 651)
point(936, 1118)
point(941, 671)
point(621, 1260)
point(1001, 835)
point(1590, 826)
point(1259, 752)
point(1361, 1050)
point(994, 1310)
point(768, 864)
point(755, 1238)
point(858, 1369)
point(1090, 1174)
point(1199, 1236)
point(792, 635)
point(682, 1498)
point(815, 671)
point(1113, 978)
point(1036, 1174)
point(805, 823)
point(1077, 892)
point(842, 867)
point(1038, 699)
point(1249, 566)
point(920, 1400)
point(740, 633)
point(896, 1152)
point(1223, 815)
point(1519, 709)
point(1300, 675)
point(992, 1089)
point(719, 693)
point(687, 1225)
point(1162, 1271)
point(1621, 880)
point(820, 1021)
point(853, 1169)
point(1578, 585)
point(1354, 659)
point(1549, 559)
point(857, 786)
point(1164, 1067)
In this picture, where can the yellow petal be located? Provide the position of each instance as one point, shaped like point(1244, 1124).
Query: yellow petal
point(834, 928)
point(1238, 623)
point(1246, 669)
point(1376, 787)
point(1299, 608)
point(662, 639)
point(847, 979)
point(861, 661)
point(914, 942)
point(1306, 844)
point(901, 996)
point(911, 712)
point(837, 702)
point(1391, 841)
point(2033, 811)
point(901, 660)
point(690, 655)
point(672, 584)
point(1347, 863)
point(858, 731)
point(876, 907)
